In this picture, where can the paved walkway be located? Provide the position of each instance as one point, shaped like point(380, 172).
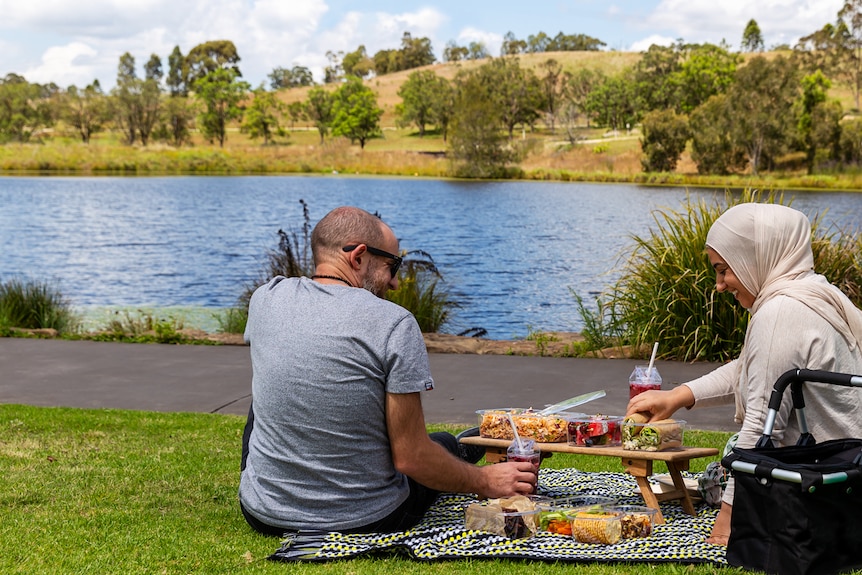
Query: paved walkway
point(217, 379)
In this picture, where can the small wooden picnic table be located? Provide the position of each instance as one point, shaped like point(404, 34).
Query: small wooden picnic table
point(636, 463)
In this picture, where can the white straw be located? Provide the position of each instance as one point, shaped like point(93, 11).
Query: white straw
point(652, 359)
point(515, 431)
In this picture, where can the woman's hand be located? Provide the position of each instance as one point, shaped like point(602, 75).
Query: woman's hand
point(661, 404)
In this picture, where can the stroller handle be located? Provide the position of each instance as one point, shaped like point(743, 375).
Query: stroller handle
point(795, 378)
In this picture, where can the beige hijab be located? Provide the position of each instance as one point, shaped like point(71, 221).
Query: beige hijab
point(768, 247)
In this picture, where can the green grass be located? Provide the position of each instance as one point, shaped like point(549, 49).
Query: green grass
point(112, 491)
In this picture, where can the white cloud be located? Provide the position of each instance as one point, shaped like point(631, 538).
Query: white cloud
point(643, 45)
point(780, 21)
point(492, 41)
point(65, 65)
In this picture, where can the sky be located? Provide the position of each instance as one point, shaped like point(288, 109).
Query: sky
point(75, 42)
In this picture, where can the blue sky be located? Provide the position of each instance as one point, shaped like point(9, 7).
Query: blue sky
point(75, 42)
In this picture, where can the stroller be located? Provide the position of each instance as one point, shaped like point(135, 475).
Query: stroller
point(797, 509)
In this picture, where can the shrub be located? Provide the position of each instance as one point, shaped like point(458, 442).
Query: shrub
point(666, 291)
point(35, 305)
point(665, 134)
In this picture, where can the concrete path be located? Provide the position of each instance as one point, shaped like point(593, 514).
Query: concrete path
point(217, 379)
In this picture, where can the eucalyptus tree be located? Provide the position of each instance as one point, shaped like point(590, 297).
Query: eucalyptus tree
point(85, 109)
point(262, 116)
point(552, 85)
point(210, 56)
point(752, 39)
point(705, 70)
point(126, 98)
point(417, 99)
point(455, 53)
point(664, 137)
point(177, 78)
point(357, 63)
point(613, 101)
point(512, 46)
point(318, 109)
point(221, 94)
point(516, 91)
point(290, 78)
point(24, 108)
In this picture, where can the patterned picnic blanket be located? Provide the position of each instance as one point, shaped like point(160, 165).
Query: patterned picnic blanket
point(441, 534)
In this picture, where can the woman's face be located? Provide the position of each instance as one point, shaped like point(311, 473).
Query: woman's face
point(726, 280)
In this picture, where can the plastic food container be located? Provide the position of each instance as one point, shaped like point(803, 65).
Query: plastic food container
point(596, 525)
point(495, 424)
point(656, 436)
point(513, 517)
point(636, 520)
point(589, 431)
point(554, 514)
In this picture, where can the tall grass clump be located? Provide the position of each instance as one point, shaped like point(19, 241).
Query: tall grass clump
point(420, 291)
point(35, 305)
point(666, 291)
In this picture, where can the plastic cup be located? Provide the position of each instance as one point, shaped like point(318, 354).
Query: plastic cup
point(526, 452)
point(642, 379)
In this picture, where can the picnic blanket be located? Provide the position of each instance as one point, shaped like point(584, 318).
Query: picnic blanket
point(441, 534)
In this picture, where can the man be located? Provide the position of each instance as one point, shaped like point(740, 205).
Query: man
point(336, 437)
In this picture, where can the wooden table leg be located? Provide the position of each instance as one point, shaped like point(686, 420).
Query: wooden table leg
point(641, 470)
point(679, 484)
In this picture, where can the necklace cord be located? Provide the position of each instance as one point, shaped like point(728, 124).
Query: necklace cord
point(336, 278)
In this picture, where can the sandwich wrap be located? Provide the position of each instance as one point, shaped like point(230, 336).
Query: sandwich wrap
point(641, 435)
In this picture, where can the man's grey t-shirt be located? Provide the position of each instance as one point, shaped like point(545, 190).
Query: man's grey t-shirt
point(323, 359)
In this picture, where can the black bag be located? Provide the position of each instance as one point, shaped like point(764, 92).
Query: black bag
point(797, 509)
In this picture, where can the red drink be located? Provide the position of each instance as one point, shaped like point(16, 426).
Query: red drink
point(636, 387)
point(529, 454)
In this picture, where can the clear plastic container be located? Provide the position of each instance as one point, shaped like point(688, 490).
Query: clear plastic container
point(635, 520)
point(495, 424)
point(514, 517)
point(596, 525)
point(594, 430)
point(554, 514)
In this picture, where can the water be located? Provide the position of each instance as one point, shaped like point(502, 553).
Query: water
point(512, 252)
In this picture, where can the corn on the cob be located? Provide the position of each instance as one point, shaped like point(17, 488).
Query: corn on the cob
point(596, 527)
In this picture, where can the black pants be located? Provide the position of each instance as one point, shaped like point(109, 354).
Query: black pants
point(407, 515)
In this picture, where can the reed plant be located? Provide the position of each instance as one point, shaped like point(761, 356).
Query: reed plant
point(666, 291)
point(35, 305)
point(422, 292)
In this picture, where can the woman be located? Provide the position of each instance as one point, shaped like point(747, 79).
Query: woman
point(761, 254)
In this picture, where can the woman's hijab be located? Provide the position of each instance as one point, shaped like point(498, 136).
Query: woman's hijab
point(768, 248)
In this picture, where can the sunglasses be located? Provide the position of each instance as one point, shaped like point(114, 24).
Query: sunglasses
point(396, 260)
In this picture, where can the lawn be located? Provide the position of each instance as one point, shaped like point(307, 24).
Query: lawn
point(113, 491)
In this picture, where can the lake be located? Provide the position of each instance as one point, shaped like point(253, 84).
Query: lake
point(512, 253)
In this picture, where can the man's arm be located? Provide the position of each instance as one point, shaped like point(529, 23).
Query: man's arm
point(417, 456)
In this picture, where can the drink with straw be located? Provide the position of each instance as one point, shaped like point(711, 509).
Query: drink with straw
point(524, 450)
point(645, 377)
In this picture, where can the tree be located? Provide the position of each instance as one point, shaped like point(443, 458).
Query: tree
point(220, 93)
point(85, 110)
point(712, 147)
point(417, 99)
point(665, 134)
point(176, 119)
point(355, 112)
point(752, 39)
point(210, 56)
point(443, 106)
point(416, 52)
point(454, 53)
point(178, 73)
point(478, 148)
point(515, 91)
point(613, 103)
point(477, 51)
point(810, 104)
point(318, 109)
point(850, 59)
point(705, 71)
point(763, 94)
point(292, 78)
point(296, 112)
point(261, 117)
point(576, 90)
point(357, 63)
point(512, 46)
point(574, 43)
point(24, 109)
point(333, 72)
point(537, 43)
point(150, 98)
point(127, 98)
point(551, 90)
point(655, 77)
